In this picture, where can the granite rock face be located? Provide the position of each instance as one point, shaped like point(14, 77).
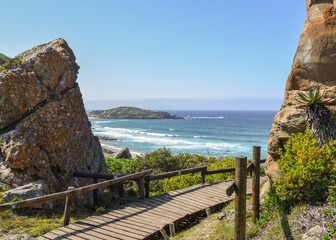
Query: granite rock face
point(314, 64)
point(44, 128)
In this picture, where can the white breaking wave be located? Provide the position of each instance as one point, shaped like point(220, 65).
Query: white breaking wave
point(161, 139)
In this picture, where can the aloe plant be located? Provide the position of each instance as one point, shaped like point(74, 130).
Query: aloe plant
point(318, 117)
point(315, 96)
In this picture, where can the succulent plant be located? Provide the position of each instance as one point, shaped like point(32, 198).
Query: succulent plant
point(315, 96)
point(318, 117)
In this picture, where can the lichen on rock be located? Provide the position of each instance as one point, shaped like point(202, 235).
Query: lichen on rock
point(44, 128)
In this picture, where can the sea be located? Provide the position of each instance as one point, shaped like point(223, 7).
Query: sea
point(212, 133)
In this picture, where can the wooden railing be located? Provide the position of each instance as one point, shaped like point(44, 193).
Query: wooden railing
point(70, 193)
point(203, 170)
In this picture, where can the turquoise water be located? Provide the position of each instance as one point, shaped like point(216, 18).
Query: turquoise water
point(205, 132)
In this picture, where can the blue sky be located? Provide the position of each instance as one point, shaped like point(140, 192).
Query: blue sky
point(176, 54)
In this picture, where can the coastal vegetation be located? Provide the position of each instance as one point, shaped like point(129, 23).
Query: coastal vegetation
point(162, 160)
point(131, 113)
point(306, 168)
point(9, 63)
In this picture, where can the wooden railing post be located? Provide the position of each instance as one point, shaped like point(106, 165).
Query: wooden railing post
point(251, 171)
point(95, 194)
point(147, 185)
point(121, 189)
point(240, 197)
point(203, 176)
point(256, 183)
point(142, 187)
point(67, 208)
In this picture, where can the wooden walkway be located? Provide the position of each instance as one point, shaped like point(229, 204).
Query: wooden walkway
point(143, 218)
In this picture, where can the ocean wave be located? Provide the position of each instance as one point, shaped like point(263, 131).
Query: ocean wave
point(171, 141)
point(129, 133)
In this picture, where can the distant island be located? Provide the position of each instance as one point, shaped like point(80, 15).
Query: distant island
point(131, 113)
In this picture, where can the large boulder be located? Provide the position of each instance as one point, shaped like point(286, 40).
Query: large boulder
point(44, 128)
point(123, 153)
point(314, 64)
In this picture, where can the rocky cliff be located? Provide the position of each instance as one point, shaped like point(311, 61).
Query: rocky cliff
point(314, 64)
point(44, 128)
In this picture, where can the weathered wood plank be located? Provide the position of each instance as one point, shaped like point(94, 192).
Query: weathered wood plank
point(140, 219)
point(101, 227)
point(169, 206)
point(114, 227)
point(71, 233)
point(157, 210)
point(146, 215)
point(90, 232)
point(136, 222)
point(119, 225)
point(196, 196)
point(188, 208)
point(179, 202)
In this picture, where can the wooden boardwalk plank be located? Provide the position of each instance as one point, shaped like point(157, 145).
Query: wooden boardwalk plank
point(113, 227)
point(124, 226)
point(120, 219)
point(142, 218)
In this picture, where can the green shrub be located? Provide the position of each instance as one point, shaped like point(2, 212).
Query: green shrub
point(179, 182)
point(306, 170)
point(100, 209)
point(121, 165)
point(162, 160)
point(11, 63)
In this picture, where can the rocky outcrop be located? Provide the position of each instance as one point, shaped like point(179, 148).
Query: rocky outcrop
point(44, 128)
point(314, 64)
point(123, 153)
